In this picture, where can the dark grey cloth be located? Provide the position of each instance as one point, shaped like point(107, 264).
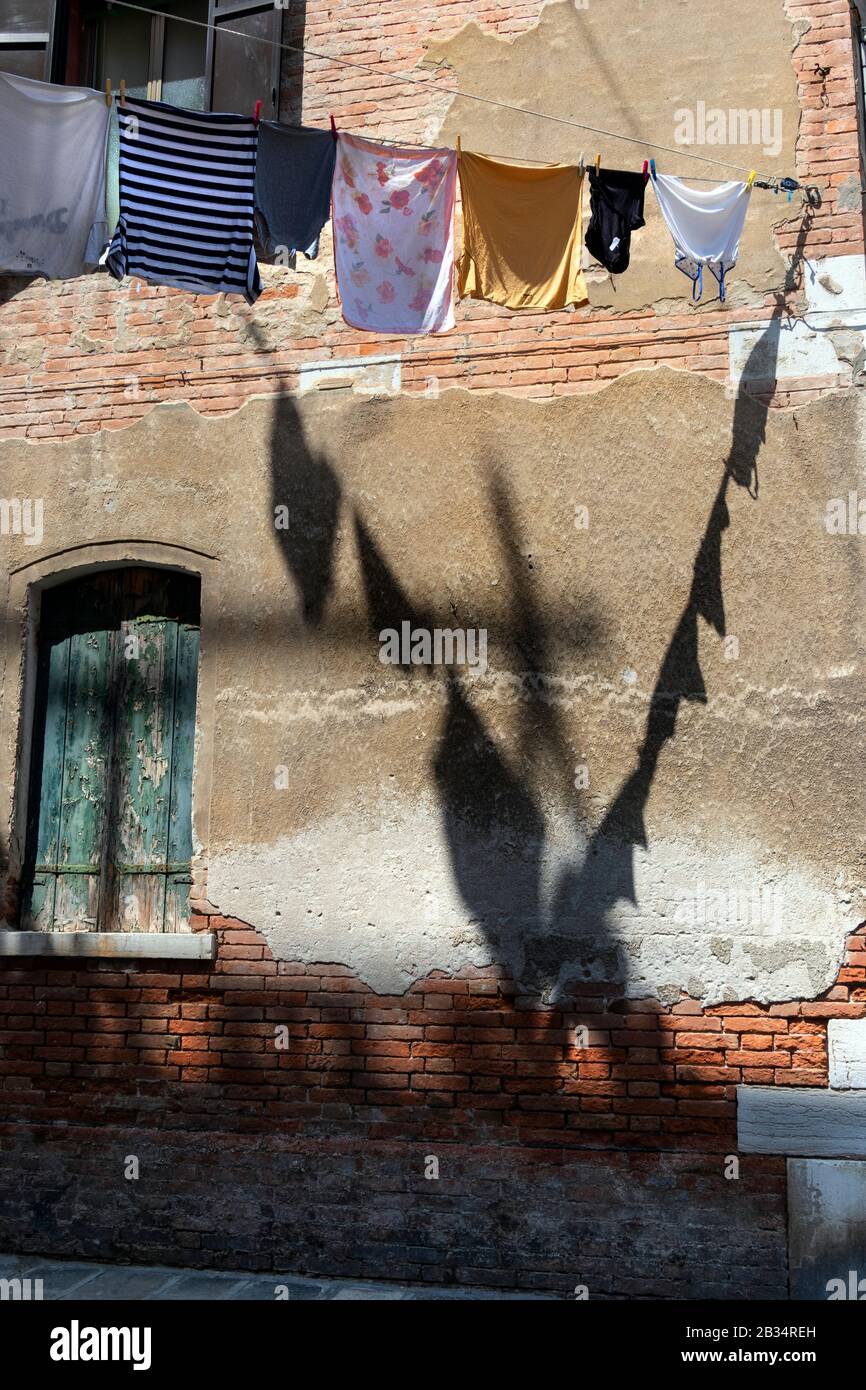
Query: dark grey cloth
point(294, 173)
point(616, 203)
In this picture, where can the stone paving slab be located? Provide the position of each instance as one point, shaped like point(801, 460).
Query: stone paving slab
point(124, 1282)
point(80, 1279)
point(201, 1284)
point(59, 1279)
point(258, 1290)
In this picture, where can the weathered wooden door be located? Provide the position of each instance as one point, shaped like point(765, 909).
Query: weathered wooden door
point(110, 825)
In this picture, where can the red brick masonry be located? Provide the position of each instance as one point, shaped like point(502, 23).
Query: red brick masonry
point(558, 1165)
point(90, 355)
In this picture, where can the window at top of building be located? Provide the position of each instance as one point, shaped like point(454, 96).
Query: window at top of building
point(217, 55)
point(205, 55)
point(244, 56)
point(26, 37)
point(160, 57)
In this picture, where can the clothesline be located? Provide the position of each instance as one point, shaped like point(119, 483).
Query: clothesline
point(405, 78)
point(194, 185)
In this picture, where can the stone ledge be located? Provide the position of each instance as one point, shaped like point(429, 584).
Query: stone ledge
point(801, 1122)
point(110, 945)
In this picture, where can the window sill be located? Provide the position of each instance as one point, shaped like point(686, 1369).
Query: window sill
point(110, 945)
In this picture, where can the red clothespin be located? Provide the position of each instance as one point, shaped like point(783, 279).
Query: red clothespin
point(257, 113)
point(646, 171)
point(333, 128)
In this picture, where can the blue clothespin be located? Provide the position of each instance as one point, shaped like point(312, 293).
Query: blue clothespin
point(653, 168)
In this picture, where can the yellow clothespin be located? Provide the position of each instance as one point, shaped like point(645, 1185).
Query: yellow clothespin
point(108, 91)
point(751, 179)
point(597, 164)
point(458, 144)
point(122, 92)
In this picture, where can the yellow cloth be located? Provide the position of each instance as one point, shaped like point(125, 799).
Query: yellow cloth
point(522, 234)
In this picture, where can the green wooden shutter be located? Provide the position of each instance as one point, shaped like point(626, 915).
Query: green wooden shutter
point(111, 820)
point(74, 667)
point(180, 804)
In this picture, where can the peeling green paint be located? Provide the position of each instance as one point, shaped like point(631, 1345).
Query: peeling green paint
point(111, 824)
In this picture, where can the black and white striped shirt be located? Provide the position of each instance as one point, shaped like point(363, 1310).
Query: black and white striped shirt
point(187, 185)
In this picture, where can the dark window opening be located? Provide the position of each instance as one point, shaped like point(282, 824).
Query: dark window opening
point(171, 56)
point(244, 65)
point(26, 37)
point(159, 57)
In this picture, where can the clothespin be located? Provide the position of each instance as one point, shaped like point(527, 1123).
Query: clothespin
point(645, 171)
point(458, 144)
point(257, 113)
point(652, 165)
point(751, 179)
point(122, 92)
point(597, 164)
point(333, 127)
point(108, 91)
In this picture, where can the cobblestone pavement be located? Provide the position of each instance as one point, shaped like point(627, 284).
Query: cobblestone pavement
point(71, 1279)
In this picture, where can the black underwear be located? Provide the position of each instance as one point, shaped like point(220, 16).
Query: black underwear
point(616, 203)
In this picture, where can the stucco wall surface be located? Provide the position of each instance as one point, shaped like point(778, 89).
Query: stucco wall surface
point(657, 780)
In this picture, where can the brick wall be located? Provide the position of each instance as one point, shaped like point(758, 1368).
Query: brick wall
point(453, 1052)
point(90, 355)
point(559, 1164)
point(620, 1224)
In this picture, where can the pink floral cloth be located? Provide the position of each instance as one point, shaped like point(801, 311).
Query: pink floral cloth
point(394, 236)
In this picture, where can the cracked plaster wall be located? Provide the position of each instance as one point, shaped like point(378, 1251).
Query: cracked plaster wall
point(424, 823)
point(619, 67)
